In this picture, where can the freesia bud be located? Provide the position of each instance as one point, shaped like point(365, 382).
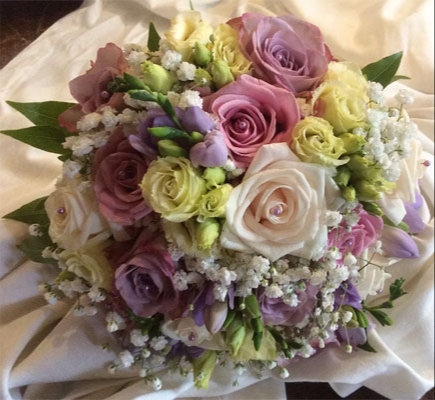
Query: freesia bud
point(215, 316)
point(343, 175)
point(212, 152)
point(221, 73)
point(169, 148)
point(397, 243)
point(201, 55)
point(157, 78)
point(203, 368)
point(349, 193)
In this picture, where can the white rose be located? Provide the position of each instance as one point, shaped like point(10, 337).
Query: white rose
point(280, 206)
point(73, 212)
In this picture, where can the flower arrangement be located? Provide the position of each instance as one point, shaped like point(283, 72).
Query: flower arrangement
point(229, 194)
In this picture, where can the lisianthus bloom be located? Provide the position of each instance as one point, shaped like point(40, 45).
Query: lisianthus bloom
point(284, 51)
point(90, 89)
point(253, 113)
point(188, 28)
point(359, 237)
point(314, 141)
point(117, 170)
point(90, 262)
point(277, 209)
point(226, 47)
point(144, 278)
point(73, 213)
point(173, 187)
point(275, 311)
point(342, 102)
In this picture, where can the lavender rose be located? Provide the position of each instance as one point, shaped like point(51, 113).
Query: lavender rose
point(117, 171)
point(144, 279)
point(253, 113)
point(284, 51)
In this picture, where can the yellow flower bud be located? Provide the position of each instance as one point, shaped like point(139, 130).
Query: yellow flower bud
point(169, 148)
point(203, 367)
point(214, 176)
point(367, 190)
point(203, 78)
point(221, 73)
point(213, 203)
point(343, 175)
point(349, 193)
point(206, 233)
point(201, 55)
point(157, 78)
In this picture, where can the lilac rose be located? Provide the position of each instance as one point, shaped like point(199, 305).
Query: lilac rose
point(275, 312)
point(251, 114)
point(117, 170)
point(144, 278)
point(90, 89)
point(285, 51)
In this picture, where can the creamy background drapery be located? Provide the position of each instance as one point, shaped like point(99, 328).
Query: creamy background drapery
point(46, 352)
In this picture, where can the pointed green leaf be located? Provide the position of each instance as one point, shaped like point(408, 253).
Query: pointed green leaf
point(33, 247)
point(142, 95)
point(396, 289)
point(384, 70)
point(367, 347)
point(166, 132)
point(153, 38)
point(47, 138)
point(43, 113)
point(31, 213)
point(399, 77)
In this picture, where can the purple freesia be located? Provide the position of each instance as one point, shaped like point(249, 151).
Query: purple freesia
point(276, 312)
point(285, 51)
point(211, 152)
point(192, 119)
point(412, 217)
point(398, 243)
point(353, 336)
point(347, 295)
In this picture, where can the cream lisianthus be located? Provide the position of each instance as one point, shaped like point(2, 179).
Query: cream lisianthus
point(226, 48)
point(172, 187)
point(187, 29)
point(73, 213)
point(314, 141)
point(90, 262)
point(278, 207)
point(212, 204)
point(350, 74)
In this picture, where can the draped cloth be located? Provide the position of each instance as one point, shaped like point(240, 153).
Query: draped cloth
point(47, 352)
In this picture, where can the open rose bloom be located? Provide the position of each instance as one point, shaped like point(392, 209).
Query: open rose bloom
point(232, 194)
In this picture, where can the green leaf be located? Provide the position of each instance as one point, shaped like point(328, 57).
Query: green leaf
point(142, 95)
point(367, 347)
point(31, 213)
point(43, 113)
point(396, 289)
point(47, 138)
point(384, 70)
point(381, 316)
point(134, 83)
point(166, 132)
point(361, 317)
point(33, 247)
point(153, 38)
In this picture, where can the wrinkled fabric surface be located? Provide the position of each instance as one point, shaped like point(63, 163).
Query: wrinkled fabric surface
point(48, 353)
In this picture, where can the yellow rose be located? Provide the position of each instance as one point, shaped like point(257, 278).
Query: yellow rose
point(226, 48)
point(187, 29)
point(314, 142)
point(90, 263)
point(212, 204)
point(173, 187)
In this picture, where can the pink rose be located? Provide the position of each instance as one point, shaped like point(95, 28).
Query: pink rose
point(90, 89)
point(253, 113)
point(144, 278)
point(117, 171)
point(360, 237)
point(284, 51)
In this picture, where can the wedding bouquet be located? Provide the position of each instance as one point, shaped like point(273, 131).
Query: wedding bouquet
point(229, 195)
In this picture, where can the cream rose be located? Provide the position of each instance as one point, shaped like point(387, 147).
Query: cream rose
point(73, 212)
point(172, 187)
point(279, 207)
point(187, 29)
point(90, 262)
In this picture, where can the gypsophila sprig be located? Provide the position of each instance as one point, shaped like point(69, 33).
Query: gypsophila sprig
point(213, 228)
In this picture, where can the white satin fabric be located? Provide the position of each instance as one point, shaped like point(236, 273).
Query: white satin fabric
point(47, 353)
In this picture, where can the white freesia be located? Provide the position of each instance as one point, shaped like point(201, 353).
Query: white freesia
point(73, 212)
point(280, 205)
